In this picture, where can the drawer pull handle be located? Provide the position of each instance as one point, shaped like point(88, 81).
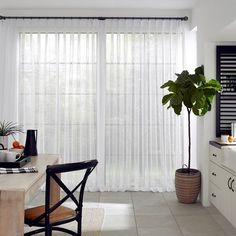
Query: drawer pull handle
point(213, 173)
point(228, 183)
point(214, 155)
point(213, 195)
point(231, 185)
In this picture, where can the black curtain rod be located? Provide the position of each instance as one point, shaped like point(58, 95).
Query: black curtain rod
point(185, 18)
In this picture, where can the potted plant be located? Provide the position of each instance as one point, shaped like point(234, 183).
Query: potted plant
point(6, 129)
point(196, 94)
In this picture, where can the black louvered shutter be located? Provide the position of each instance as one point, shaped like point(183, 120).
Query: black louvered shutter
point(226, 100)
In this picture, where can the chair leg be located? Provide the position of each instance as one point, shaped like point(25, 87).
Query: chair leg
point(48, 231)
point(79, 227)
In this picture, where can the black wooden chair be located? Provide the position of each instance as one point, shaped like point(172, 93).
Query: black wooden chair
point(49, 216)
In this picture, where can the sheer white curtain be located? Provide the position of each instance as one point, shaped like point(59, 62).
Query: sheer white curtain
point(57, 88)
point(8, 70)
point(144, 141)
point(92, 89)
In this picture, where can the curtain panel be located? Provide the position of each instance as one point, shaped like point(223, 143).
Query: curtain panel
point(92, 89)
point(143, 141)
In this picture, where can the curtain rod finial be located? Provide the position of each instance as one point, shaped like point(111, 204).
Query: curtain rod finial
point(185, 18)
point(2, 18)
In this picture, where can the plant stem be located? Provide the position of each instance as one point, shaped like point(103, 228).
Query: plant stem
point(189, 140)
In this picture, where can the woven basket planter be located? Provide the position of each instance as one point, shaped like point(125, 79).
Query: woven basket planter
point(187, 185)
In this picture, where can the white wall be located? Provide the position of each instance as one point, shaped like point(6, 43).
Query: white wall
point(215, 21)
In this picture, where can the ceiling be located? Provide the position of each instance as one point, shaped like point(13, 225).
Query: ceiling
point(58, 4)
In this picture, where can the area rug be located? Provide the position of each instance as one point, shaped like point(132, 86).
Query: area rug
point(91, 226)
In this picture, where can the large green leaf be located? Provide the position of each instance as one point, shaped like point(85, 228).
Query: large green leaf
point(213, 84)
point(177, 109)
point(210, 98)
point(204, 110)
point(209, 91)
point(199, 70)
point(199, 111)
point(174, 88)
point(167, 98)
point(167, 84)
point(197, 94)
point(202, 78)
point(176, 100)
point(196, 111)
point(208, 104)
point(188, 93)
point(200, 103)
point(183, 77)
point(195, 79)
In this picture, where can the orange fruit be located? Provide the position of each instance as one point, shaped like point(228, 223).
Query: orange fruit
point(230, 139)
point(16, 144)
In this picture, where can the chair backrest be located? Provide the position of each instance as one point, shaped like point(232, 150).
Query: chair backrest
point(52, 173)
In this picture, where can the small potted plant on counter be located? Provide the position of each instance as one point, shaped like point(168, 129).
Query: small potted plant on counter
point(6, 129)
point(196, 94)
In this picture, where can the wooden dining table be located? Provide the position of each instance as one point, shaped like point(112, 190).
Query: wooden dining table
point(17, 189)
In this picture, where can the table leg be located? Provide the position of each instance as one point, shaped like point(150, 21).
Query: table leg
point(12, 212)
point(55, 191)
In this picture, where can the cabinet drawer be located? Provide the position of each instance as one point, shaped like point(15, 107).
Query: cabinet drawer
point(215, 196)
point(215, 174)
point(215, 154)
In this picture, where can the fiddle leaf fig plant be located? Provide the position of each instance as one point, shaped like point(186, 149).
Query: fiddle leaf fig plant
point(192, 91)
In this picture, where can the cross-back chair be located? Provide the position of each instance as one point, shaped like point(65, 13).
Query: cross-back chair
point(49, 216)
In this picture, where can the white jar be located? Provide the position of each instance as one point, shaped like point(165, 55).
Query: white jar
point(224, 138)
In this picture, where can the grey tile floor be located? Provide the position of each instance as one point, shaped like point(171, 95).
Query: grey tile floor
point(153, 214)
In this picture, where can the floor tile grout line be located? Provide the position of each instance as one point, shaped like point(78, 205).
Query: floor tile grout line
point(173, 215)
point(131, 193)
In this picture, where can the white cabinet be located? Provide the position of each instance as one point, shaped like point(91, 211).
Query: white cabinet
point(215, 154)
point(222, 186)
point(216, 196)
point(233, 205)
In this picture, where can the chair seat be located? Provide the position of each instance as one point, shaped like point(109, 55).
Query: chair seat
point(61, 213)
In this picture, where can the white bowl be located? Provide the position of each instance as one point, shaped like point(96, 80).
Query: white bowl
point(17, 150)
